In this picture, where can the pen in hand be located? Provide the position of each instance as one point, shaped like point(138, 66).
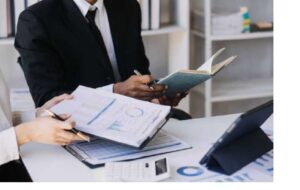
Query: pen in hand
point(75, 131)
point(150, 84)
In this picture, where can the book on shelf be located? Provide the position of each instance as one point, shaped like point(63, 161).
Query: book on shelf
point(155, 14)
point(184, 80)
point(10, 11)
point(151, 14)
point(31, 2)
point(19, 7)
point(4, 19)
point(145, 4)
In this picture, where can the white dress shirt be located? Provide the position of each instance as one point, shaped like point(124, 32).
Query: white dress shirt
point(102, 23)
point(8, 142)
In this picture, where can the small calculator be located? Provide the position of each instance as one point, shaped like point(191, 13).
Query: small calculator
point(138, 171)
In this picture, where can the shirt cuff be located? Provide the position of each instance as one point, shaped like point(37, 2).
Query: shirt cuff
point(9, 149)
point(108, 88)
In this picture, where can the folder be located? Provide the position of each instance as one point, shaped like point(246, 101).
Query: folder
point(242, 143)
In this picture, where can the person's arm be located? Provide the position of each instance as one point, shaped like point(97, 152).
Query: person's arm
point(41, 64)
point(42, 130)
point(9, 149)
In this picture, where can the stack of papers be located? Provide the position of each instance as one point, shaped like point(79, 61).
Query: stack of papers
point(98, 151)
point(227, 24)
point(22, 105)
point(114, 117)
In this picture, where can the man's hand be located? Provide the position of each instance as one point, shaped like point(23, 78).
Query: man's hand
point(164, 100)
point(136, 87)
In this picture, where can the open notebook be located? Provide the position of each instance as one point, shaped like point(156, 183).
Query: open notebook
point(184, 80)
point(114, 117)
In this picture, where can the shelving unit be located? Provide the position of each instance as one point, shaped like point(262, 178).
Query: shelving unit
point(169, 29)
point(167, 48)
point(251, 76)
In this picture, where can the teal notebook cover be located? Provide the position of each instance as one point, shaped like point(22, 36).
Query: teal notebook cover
point(182, 82)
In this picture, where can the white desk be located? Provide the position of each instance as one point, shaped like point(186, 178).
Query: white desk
point(54, 164)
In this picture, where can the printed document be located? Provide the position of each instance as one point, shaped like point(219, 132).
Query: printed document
point(114, 117)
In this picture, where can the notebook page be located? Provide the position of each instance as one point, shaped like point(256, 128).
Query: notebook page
point(207, 66)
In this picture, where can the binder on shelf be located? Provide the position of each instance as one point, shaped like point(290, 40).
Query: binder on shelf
point(31, 2)
point(19, 7)
point(166, 12)
point(12, 17)
point(242, 143)
point(4, 18)
point(145, 9)
point(155, 14)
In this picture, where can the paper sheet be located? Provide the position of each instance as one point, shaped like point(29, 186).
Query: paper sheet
point(207, 66)
point(187, 169)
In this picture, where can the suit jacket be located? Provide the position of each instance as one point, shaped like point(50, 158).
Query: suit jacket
point(59, 52)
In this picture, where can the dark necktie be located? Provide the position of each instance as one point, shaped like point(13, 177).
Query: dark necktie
point(96, 32)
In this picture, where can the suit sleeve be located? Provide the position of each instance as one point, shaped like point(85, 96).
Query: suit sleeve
point(42, 66)
point(143, 60)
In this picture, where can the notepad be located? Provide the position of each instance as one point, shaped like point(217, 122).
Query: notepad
point(114, 117)
point(184, 80)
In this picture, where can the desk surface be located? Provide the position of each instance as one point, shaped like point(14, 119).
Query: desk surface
point(54, 164)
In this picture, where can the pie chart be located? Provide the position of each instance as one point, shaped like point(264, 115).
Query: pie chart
point(134, 112)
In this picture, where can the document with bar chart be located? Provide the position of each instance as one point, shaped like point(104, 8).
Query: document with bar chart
point(114, 117)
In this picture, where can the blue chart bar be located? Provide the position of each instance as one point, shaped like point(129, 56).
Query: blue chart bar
point(259, 163)
point(269, 155)
point(101, 112)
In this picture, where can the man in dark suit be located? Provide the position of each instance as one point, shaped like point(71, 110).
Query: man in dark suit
point(95, 43)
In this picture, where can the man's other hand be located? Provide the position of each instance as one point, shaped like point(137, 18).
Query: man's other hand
point(136, 87)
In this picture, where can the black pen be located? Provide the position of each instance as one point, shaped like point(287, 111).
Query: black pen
point(75, 131)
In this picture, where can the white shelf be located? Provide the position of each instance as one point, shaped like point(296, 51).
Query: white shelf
point(164, 30)
point(241, 89)
point(246, 36)
point(161, 31)
point(7, 41)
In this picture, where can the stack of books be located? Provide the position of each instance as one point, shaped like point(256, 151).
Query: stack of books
point(9, 14)
point(232, 23)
